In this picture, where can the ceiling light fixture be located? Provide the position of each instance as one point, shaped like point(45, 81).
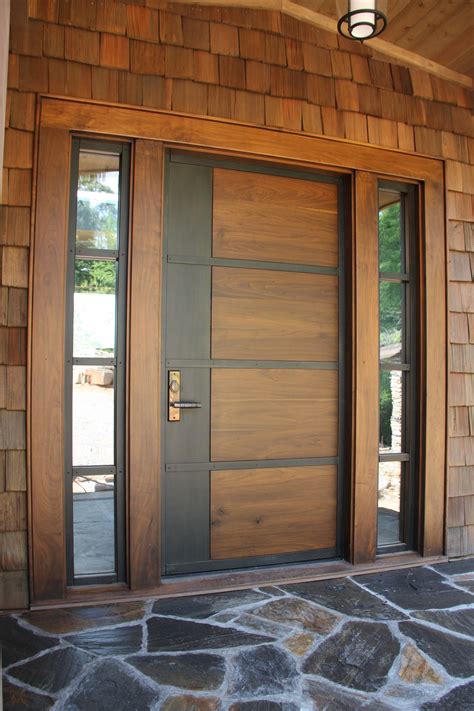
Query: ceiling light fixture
point(363, 19)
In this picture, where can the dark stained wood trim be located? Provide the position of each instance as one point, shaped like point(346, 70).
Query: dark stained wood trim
point(153, 130)
point(435, 314)
point(47, 366)
point(240, 580)
point(365, 370)
point(236, 138)
point(144, 370)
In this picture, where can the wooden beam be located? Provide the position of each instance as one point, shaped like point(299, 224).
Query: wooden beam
point(317, 19)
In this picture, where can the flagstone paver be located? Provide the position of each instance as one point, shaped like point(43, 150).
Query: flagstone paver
point(455, 654)
point(415, 589)
point(197, 672)
point(110, 687)
point(52, 671)
point(394, 641)
point(359, 656)
point(263, 671)
point(345, 596)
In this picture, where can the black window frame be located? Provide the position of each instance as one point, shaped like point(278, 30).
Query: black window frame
point(409, 365)
point(120, 257)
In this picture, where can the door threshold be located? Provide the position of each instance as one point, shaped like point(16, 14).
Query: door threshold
point(202, 584)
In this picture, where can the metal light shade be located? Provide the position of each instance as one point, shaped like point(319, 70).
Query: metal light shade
point(361, 19)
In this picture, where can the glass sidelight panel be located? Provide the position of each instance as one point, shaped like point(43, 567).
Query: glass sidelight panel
point(398, 345)
point(390, 477)
point(93, 415)
point(95, 355)
point(94, 524)
point(95, 285)
point(98, 190)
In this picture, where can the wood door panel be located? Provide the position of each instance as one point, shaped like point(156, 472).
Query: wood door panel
point(268, 511)
point(273, 414)
point(273, 218)
point(271, 315)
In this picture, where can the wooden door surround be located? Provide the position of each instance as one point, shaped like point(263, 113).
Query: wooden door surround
point(150, 132)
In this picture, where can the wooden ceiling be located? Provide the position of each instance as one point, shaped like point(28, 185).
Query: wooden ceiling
point(440, 30)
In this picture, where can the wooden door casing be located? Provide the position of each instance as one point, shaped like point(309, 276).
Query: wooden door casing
point(280, 147)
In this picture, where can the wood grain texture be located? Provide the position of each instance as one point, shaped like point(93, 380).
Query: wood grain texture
point(241, 140)
point(365, 368)
point(144, 370)
point(274, 218)
point(47, 367)
point(267, 511)
point(273, 414)
point(271, 315)
point(436, 362)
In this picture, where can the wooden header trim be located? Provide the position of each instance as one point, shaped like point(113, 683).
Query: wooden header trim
point(324, 22)
point(216, 134)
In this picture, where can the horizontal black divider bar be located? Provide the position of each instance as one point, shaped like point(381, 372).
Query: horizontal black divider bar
point(93, 470)
point(388, 365)
point(230, 564)
point(109, 255)
point(394, 457)
point(93, 361)
point(252, 264)
point(218, 363)
point(250, 464)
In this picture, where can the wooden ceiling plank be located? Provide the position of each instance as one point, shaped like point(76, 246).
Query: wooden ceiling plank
point(436, 30)
point(399, 26)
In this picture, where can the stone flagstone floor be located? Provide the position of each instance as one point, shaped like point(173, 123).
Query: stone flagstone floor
point(394, 640)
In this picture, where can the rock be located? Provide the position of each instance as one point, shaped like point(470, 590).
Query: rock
point(455, 567)
point(459, 699)
point(197, 672)
point(263, 671)
point(293, 611)
point(456, 655)
point(272, 590)
point(109, 686)
point(459, 620)
point(346, 597)
point(260, 625)
point(114, 640)
point(415, 669)
point(331, 698)
point(415, 589)
point(170, 635)
point(190, 703)
point(20, 643)
point(52, 671)
point(263, 705)
point(16, 698)
point(200, 607)
point(359, 656)
point(299, 643)
point(74, 619)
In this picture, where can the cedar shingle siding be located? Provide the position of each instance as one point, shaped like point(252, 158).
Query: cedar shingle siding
point(252, 66)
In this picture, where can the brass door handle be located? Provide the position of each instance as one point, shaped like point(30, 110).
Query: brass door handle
point(175, 405)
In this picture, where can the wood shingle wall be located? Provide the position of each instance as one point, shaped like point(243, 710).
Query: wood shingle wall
point(251, 66)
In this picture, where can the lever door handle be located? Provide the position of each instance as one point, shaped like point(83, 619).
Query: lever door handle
point(186, 405)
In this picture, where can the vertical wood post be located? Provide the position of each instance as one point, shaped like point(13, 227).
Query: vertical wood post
point(366, 370)
point(144, 369)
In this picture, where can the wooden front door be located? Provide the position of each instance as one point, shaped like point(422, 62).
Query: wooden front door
point(253, 353)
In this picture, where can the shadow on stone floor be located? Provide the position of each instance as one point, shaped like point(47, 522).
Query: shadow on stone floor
point(393, 640)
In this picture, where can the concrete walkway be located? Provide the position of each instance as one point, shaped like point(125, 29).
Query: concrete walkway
point(394, 640)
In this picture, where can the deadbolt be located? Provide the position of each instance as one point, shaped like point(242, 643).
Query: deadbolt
point(174, 386)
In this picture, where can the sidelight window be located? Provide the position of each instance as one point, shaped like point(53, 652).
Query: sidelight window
point(398, 348)
point(95, 355)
